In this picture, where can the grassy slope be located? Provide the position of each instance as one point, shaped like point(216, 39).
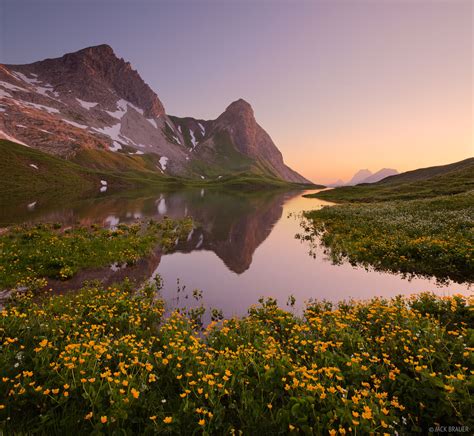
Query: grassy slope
point(236, 169)
point(224, 160)
point(73, 179)
point(424, 183)
point(428, 173)
point(19, 178)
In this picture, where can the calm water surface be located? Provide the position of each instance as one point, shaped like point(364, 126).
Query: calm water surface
point(243, 247)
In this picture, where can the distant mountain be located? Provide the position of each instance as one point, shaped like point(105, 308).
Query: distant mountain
point(92, 100)
point(359, 176)
point(337, 183)
point(380, 175)
point(366, 176)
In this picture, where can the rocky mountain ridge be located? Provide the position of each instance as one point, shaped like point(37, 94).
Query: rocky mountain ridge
point(380, 175)
point(92, 99)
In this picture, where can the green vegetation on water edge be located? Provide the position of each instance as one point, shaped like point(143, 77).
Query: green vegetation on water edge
point(431, 237)
point(31, 254)
point(418, 222)
point(106, 361)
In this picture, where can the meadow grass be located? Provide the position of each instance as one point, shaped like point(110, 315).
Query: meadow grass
point(106, 361)
point(431, 237)
point(30, 254)
point(407, 186)
point(80, 177)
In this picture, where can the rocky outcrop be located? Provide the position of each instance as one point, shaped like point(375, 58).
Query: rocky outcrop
point(92, 73)
point(237, 124)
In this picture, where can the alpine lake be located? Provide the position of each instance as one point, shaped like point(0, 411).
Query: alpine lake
point(243, 246)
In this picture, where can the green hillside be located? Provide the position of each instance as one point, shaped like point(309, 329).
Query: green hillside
point(423, 183)
point(27, 173)
point(428, 173)
point(19, 176)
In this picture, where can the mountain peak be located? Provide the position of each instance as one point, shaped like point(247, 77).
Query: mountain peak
point(249, 138)
point(380, 175)
point(94, 72)
point(240, 105)
point(359, 176)
point(98, 49)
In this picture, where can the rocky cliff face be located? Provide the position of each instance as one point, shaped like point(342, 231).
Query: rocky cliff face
point(93, 99)
point(87, 99)
point(96, 74)
point(238, 129)
point(250, 139)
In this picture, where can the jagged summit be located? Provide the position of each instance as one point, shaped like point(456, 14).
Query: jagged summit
point(91, 73)
point(239, 105)
point(100, 49)
point(366, 176)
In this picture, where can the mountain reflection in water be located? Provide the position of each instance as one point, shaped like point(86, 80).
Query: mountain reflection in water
point(243, 246)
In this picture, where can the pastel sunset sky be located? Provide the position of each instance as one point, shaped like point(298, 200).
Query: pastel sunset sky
point(340, 85)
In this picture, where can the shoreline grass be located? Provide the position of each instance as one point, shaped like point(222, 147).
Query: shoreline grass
point(105, 361)
point(432, 237)
point(29, 255)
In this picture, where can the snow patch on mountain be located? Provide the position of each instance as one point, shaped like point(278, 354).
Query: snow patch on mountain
point(152, 122)
point(35, 84)
point(163, 162)
point(203, 129)
point(12, 87)
point(73, 123)
point(42, 107)
point(193, 139)
point(5, 135)
point(113, 132)
point(86, 104)
point(122, 108)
